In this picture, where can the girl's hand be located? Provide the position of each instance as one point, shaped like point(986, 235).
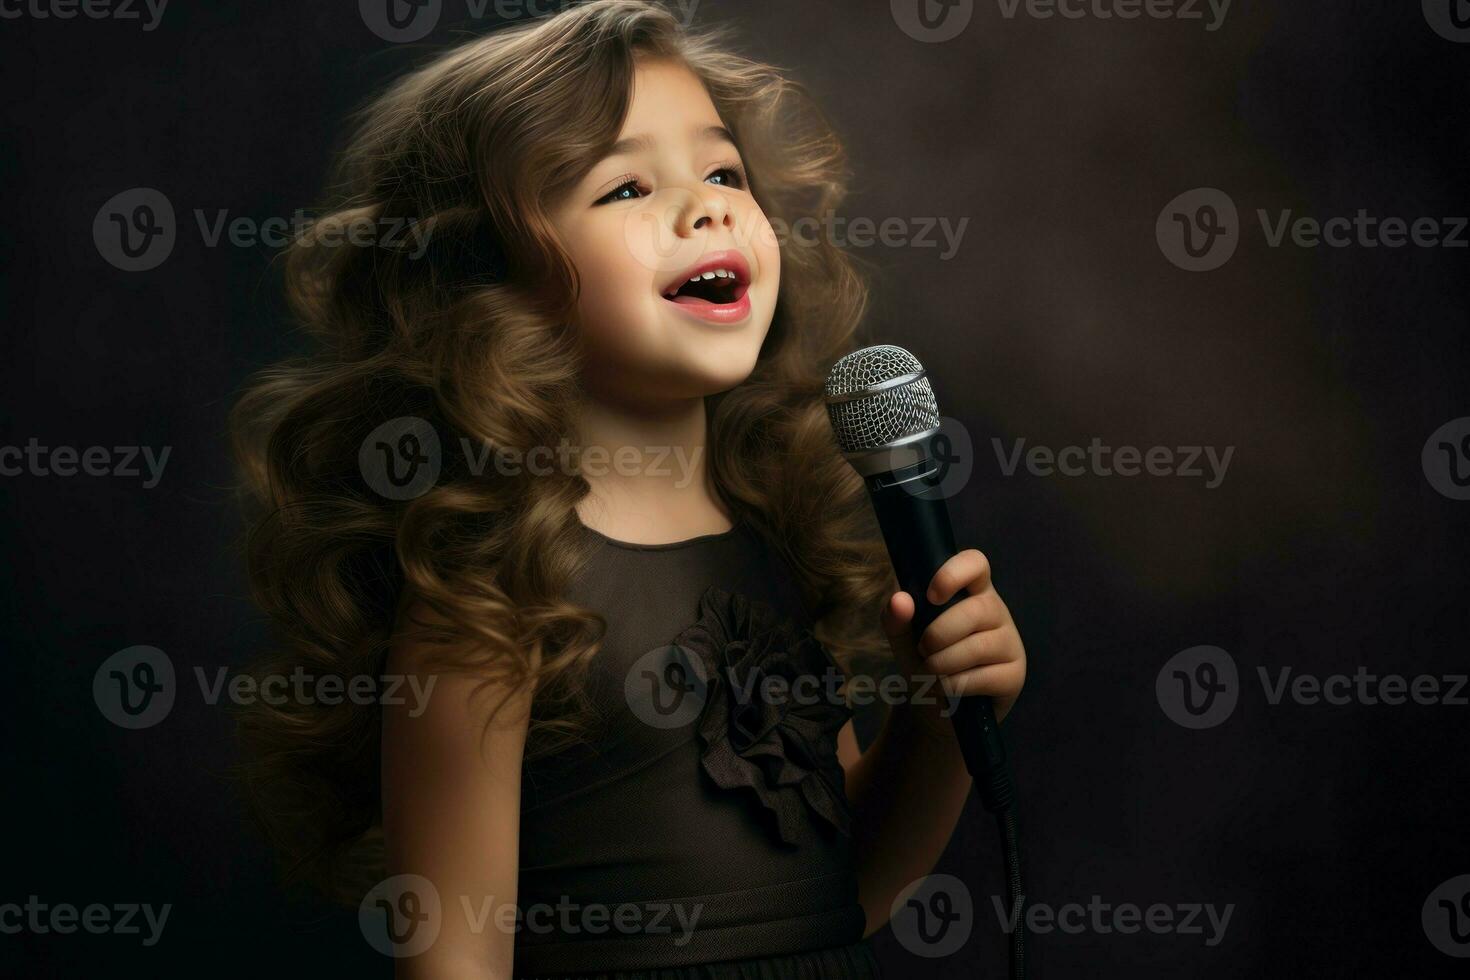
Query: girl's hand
point(973, 647)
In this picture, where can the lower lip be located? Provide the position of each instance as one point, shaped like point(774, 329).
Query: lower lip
point(722, 313)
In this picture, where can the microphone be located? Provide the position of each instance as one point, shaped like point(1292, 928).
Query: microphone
point(886, 421)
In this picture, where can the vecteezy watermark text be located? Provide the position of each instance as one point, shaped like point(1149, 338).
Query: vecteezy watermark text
point(862, 232)
point(1200, 687)
point(649, 233)
point(122, 919)
point(1200, 230)
point(1102, 918)
point(402, 916)
point(135, 688)
point(934, 916)
point(136, 230)
point(34, 459)
point(668, 687)
point(1097, 459)
point(402, 21)
point(402, 459)
point(301, 687)
point(1211, 12)
point(935, 21)
point(591, 460)
point(124, 10)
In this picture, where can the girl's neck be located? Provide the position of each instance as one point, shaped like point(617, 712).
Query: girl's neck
point(648, 469)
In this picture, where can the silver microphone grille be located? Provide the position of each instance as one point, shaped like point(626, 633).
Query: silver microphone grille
point(879, 398)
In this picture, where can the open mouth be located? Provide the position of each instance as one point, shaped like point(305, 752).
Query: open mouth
point(715, 289)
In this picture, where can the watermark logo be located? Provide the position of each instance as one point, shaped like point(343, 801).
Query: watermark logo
point(953, 455)
point(1446, 917)
point(1210, 12)
point(585, 460)
point(1363, 230)
point(952, 452)
point(1446, 459)
point(405, 21)
point(1361, 687)
point(401, 915)
point(147, 12)
point(667, 687)
point(135, 229)
point(301, 687)
point(933, 917)
point(651, 237)
point(1199, 230)
point(34, 459)
point(1198, 687)
point(935, 21)
point(1097, 459)
point(407, 236)
point(134, 688)
point(1450, 19)
point(1104, 918)
point(401, 458)
point(932, 21)
point(401, 21)
point(568, 917)
point(63, 918)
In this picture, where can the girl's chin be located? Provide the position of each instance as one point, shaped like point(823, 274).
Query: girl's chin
point(676, 383)
point(704, 378)
point(717, 368)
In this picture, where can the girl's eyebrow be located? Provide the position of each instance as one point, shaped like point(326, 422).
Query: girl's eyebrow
point(646, 142)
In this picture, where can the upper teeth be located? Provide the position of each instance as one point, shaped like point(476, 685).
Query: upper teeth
point(721, 273)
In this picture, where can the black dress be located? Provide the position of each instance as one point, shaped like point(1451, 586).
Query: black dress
point(702, 831)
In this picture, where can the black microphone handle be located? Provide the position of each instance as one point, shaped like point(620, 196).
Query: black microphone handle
point(920, 538)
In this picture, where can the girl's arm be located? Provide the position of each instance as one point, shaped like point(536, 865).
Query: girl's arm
point(451, 813)
point(909, 788)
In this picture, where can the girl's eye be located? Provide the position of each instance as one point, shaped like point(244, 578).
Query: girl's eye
point(732, 176)
point(621, 192)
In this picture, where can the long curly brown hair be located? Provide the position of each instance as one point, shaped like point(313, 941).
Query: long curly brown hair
point(464, 329)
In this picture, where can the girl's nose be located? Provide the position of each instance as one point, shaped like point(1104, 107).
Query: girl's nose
point(707, 210)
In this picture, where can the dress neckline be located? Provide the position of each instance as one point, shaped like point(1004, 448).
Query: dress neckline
point(666, 545)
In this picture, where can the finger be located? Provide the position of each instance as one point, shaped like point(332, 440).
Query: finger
point(897, 622)
point(970, 568)
point(994, 680)
point(898, 613)
point(973, 614)
point(975, 650)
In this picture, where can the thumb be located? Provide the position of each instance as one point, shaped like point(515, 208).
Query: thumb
point(897, 619)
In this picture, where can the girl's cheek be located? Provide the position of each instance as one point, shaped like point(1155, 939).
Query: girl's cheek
point(768, 250)
point(650, 243)
point(608, 308)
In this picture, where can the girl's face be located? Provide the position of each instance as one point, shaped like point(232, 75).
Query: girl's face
point(669, 203)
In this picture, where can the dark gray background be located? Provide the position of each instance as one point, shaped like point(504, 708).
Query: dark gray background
point(1059, 320)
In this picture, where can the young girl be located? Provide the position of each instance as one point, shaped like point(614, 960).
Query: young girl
point(561, 461)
